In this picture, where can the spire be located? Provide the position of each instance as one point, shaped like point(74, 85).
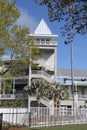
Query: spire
point(42, 28)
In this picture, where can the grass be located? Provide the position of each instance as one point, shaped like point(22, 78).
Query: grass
point(67, 127)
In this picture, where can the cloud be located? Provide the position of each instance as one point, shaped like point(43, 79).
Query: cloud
point(26, 20)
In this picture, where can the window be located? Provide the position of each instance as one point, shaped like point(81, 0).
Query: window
point(38, 41)
point(42, 41)
point(47, 41)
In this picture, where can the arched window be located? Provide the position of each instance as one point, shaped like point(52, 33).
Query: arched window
point(38, 41)
point(42, 41)
point(47, 41)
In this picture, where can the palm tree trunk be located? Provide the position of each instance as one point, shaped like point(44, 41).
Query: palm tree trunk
point(55, 108)
point(58, 104)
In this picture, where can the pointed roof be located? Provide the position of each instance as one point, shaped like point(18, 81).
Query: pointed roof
point(42, 28)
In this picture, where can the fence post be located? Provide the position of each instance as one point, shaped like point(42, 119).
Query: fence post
point(1, 121)
point(29, 119)
point(74, 115)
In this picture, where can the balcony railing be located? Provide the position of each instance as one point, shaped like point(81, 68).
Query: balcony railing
point(13, 96)
point(79, 96)
point(46, 42)
point(41, 72)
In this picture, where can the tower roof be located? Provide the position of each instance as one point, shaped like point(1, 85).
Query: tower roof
point(42, 28)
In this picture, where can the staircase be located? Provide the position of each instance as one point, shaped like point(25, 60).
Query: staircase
point(42, 74)
point(45, 101)
point(44, 64)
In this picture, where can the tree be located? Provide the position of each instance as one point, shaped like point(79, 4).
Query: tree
point(8, 15)
point(59, 10)
point(14, 40)
point(39, 88)
point(58, 92)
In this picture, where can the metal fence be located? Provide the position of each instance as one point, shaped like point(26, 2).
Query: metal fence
point(43, 116)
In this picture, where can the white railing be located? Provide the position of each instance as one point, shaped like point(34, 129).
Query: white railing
point(57, 116)
point(43, 116)
point(13, 96)
point(41, 72)
point(80, 96)
point(46, 42)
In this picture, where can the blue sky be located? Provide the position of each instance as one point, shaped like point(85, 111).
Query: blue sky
point(31, 14)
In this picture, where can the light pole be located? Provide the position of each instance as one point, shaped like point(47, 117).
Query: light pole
point(70, 42)
point(72, 72)
point(71, 69)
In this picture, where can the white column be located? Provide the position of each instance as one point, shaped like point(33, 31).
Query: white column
point(55, 63)
point(29, 84)
point(14, 88)
point(76, 96)
point(0, 89)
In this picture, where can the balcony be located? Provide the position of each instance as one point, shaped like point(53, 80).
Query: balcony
point(80, 96)
point(45, 42)
point(13, 96)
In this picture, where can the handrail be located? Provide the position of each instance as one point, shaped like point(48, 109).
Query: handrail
point(46, 42)
point(13, 96)
point(41, 72)
point(79, 96)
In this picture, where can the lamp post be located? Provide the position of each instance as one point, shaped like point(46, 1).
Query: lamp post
point(70, 42)
point(72, 72)
point(71, 69)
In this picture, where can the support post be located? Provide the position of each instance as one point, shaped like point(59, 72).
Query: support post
point(1, 117)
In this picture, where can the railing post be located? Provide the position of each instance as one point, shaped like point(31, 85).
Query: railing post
point(1, 116)
point(29, 119)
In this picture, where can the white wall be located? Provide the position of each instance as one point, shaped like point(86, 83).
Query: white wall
point(48, 57)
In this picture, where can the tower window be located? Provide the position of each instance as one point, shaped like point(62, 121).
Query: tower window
point(42, 41)
point(38, 41)
point(47, 41)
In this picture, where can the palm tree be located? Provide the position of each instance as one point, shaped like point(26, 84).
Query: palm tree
point(58, 92)
point(39, 87)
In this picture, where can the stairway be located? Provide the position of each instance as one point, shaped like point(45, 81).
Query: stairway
point(44, 64)
point(45, 101)
point(42, 74)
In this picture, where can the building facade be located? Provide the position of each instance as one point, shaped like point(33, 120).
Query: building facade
point(47, 43)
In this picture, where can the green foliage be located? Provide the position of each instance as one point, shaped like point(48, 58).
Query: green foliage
point(8, 15)
point(13, 103)
point(72, 12)
point(15, 40)
point(19, 103)
point(39, 87)
point(57, 92)
point(59, 127)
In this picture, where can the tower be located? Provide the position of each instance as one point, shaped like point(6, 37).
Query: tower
point(47, 43)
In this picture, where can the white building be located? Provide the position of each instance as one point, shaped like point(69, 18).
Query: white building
point(80, 86)
point(47, 43)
